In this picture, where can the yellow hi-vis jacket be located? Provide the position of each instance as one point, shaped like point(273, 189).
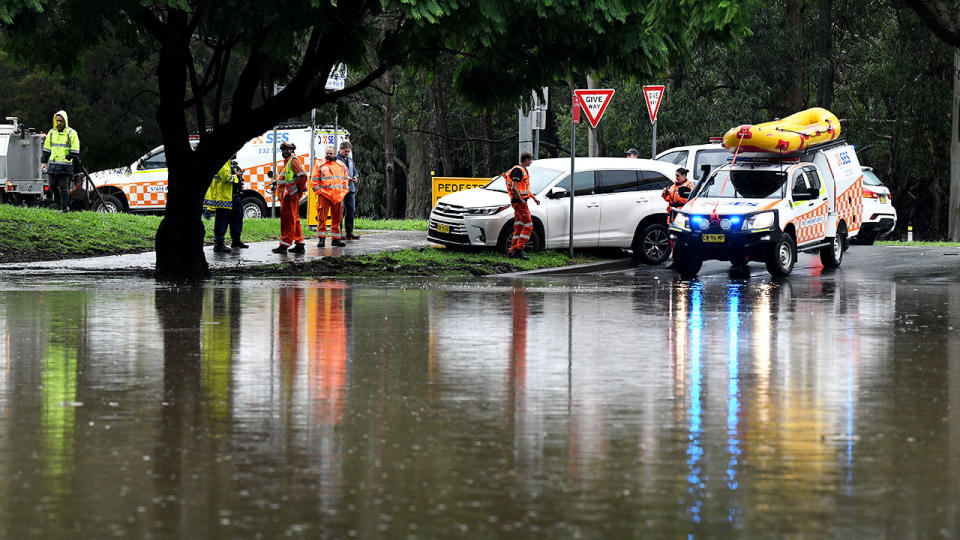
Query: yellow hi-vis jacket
point(60, 147)
point(220, 193)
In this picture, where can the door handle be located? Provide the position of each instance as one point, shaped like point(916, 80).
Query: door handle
point(593, 205)
point(643, 200)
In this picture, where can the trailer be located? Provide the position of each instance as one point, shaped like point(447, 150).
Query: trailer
point(21, 179)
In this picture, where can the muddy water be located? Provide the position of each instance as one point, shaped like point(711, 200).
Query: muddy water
point(312, 409)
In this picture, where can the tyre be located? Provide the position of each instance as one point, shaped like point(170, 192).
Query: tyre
point(739, 262)
point(651, 245)
point(253, 207)
point(783, 256)
point(831, 256)
point(106, 204)
point(687, 264)
point(506, 234)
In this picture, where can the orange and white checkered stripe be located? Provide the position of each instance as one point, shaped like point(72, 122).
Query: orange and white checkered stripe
point(811, 226)
point(146, 194)
point(850, 205)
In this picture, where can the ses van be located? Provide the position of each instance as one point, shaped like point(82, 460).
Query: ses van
point(767, 208)
point(142, 185)
point(617, 203)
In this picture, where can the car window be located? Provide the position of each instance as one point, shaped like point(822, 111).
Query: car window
point(871, 179)
point(617, 181)
point(539, 178)
point(678, 158)
point(813, 178)
point(584, 183)
point(155, 161)
point(654, 181)
point(713, 158)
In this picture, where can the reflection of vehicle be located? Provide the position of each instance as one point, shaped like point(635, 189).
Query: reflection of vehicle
point(697, 158)
point(20, 177)
point(879, 215)
point(142, 185)
point(768, 208)
point(617, 203)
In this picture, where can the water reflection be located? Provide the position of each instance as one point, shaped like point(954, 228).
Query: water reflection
point(326, 408)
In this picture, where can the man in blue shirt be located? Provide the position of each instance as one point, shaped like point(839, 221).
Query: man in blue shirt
point(350, 201)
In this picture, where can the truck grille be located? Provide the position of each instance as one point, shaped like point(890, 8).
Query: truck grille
point(449, 211)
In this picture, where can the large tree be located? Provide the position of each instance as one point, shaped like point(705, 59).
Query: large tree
point(216, 63)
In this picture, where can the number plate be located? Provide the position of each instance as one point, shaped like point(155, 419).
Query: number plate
point(443, 228)
point(883, 199)
point(713, 238)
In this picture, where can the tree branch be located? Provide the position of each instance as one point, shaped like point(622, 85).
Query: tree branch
point(933, 23)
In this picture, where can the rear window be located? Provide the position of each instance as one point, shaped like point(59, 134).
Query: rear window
point(871, 179)
point(713, 158)
point(617, 181)
point(654, 181)
point(677, 158)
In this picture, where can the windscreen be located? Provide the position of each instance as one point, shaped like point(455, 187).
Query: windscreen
point(871, 179)
point(540, 177)
point(745, 184)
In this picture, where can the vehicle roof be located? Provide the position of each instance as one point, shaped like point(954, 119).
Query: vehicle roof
point(707, 146)
point(603, 163)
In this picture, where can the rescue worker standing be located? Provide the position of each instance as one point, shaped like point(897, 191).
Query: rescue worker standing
point(236, 212)
point(518, 186)
point(330, 184)
point(350, 200)
point(61, 150)
point(675, 199)
point(219, 200)
point(291, 186)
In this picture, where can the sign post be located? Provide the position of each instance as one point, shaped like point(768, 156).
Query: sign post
point(594, 103)
point(653, 95)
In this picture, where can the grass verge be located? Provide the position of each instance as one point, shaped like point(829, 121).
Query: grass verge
point(417, 262)
point(38, 234)
point(918, 244)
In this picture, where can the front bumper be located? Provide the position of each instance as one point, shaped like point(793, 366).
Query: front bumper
point(470, 231)
point(735, 245)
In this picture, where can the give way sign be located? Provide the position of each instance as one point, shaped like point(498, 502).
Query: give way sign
point(653, 95)
point(594, 102)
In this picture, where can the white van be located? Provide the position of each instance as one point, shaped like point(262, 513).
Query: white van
point(767, 208)
point(617, 203)
point(142, 185)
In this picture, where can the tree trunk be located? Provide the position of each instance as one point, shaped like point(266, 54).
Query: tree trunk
point(388, 179)
point(443, 144)
point(418, 176)
point(487, 127)
point(953, 226)
point(795, 18)
point(825, 88)
point(179, 240)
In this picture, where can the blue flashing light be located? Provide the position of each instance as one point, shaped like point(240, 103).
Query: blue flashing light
point(735, 219)
point(700, 221)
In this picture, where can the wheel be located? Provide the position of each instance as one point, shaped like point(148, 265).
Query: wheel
point(651, 245)
point(253, 207)
point(739, 262)
point(687, 264)
point(106, 204)
point(782, 257)
point(506, 234)
point(831, 256)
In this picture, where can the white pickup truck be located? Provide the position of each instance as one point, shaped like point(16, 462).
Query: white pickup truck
point(767, 208)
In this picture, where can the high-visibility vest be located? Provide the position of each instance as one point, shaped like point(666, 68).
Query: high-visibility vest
point(331, 181)
point(523, 186)
point(220, 192)
point(289, 182)
point(673, 197)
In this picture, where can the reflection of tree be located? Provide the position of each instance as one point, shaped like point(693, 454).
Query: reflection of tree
point(179, 311)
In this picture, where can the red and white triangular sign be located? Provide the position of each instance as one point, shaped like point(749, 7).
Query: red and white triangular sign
point(594, 102)
point(653, 95)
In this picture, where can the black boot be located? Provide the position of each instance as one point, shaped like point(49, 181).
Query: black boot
point(220, 247)
point(338, 243)
point(519, 254)
point(322, 242)
point(297, 248)
point(279, 249)
point(238, 244)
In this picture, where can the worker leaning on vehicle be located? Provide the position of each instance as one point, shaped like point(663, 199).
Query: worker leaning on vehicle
point(219, 199)
point(61, 150)
point(518, 186)
point(677, 194)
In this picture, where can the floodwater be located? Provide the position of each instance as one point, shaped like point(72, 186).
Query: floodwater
point(616, 408)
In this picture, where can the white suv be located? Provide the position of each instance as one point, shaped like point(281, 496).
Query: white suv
point(696, 158)
point(879, 215)
point(617, 203)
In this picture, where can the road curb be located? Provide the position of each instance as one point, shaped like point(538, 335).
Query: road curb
point(617, 264)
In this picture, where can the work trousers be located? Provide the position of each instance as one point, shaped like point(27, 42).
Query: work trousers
point(324, 207)
point(349, 209)
point(522, 226)
point(60, 185)
point(236, 219)
point(290, 231)
point(221, 219)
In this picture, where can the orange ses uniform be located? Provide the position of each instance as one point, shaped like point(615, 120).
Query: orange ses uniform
point(518, 177)
point(291, 185)
point(331, 184)
point(673, 198)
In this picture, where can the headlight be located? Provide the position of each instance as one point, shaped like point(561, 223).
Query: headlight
point(485, 211)
point(762, 220)
point(681, 221)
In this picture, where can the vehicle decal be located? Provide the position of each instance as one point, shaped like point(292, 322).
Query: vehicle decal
point(771, 205)
point(146, 194)
point(811, 226)
point(850, 205)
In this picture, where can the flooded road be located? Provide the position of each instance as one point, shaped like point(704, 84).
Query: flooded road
point(573, 407)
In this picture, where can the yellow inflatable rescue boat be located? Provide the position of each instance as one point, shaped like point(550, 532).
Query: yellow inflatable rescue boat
point(790, 134)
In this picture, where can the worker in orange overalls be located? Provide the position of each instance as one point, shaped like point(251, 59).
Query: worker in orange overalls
point(518, 187)
point(677, 194)
point(331, 184)
point(290, 187)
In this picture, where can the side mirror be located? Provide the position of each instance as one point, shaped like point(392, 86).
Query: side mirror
point(140, 164)
point(270, 174)
point(557, 193)
point(127, 171)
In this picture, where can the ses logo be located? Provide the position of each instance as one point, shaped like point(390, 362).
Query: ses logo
point(843, 158)
point(267, 138)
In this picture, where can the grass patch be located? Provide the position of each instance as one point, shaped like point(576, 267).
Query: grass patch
point(35, 234)
point(418, 262)
point(918, 244)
